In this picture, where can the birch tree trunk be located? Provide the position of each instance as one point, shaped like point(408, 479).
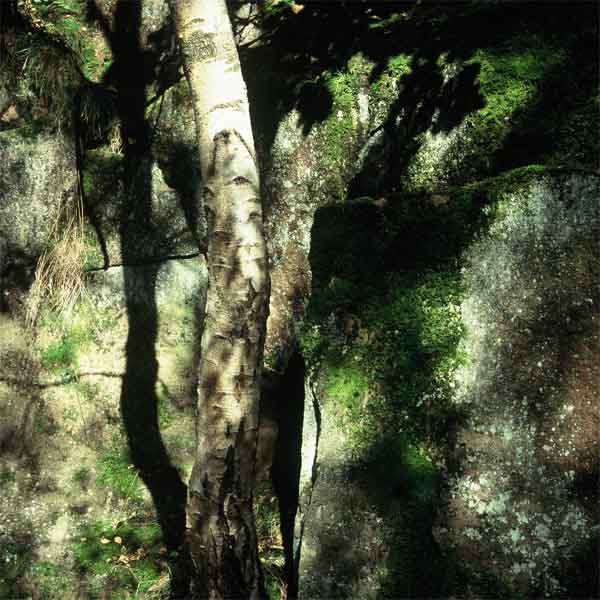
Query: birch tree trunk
point(220, 519)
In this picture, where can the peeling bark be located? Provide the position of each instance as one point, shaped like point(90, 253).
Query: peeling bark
point(221, 529)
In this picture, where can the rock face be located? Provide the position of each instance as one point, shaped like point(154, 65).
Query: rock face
point(69, 408)
point(519, 499)
point(116, 234)
point(524, 500)
point(340, 538)
point(37, 178)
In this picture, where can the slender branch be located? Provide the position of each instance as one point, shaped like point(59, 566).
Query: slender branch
point(143, 263)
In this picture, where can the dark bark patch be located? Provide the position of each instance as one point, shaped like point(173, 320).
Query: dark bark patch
point(234, 104)
point(200, 47)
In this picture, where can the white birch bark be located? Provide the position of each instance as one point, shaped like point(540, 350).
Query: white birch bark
point(221, 530)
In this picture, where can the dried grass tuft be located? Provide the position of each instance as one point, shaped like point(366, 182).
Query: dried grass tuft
point(59, 275)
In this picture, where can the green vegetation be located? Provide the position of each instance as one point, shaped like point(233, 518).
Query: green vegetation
point(53, 580)
point(116, 472)
point(460, 122)
point(125, 559)
point(52, 76)
point(7, 476)
point(82, 477)
point(266, 510)
point(67, 19)
point(341, 124)
point(384, 329)
point(60, 356)
point(18, 554)
point(384, 89)
point(510, 74)
point(510, 78)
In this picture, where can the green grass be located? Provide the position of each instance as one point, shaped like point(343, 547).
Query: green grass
point(52, 580)
point(117, 473)
point(130, 556)
point(61, 355)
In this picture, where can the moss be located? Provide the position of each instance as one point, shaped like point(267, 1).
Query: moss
point(489, 193)
point(341, 125)
point(384, 331)
point(348, 386)
point(385, 88)
point(511, 78)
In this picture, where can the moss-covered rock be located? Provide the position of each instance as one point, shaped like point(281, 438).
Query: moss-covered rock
point(509, 78)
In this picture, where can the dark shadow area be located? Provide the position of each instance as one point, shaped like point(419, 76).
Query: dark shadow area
point(81, 143)
point(405, 490)
point(582, 574)
point(288, 397)
point(298, 54)
point(130, 73)
point(17, 274)
point(290, 69)
point(179, 164)
point(560, 123)
point(356, 248)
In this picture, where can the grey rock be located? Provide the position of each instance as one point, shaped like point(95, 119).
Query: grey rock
point(37, 177)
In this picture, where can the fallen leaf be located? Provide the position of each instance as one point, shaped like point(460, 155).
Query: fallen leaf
point(10, 114)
